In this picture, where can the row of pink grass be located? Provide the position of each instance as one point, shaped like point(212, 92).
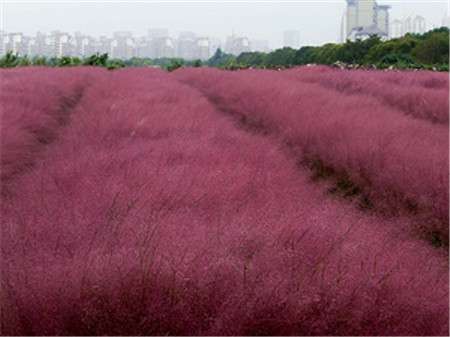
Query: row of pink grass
point(396, 158)
point(421, 94)
point(31, 113)
point(151, 213)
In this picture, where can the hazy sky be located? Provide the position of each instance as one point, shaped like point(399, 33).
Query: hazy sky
point(319, 21)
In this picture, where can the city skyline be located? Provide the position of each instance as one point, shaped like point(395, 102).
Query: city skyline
point(157, 43)
point(317, 24)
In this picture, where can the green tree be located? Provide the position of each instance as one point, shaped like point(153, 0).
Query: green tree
point(328, 54)
point(376, 53)
point(220, 59)
point(433, 50)
point(252, 59)
point(355, 51)
point(24, 61)
point(99, 60)
point(39, 61)
point(305, 55)
point(197, 63)
point(9, 60)
point(67, 61)
point(115, 64)
point(174, 64)
point(283, 57)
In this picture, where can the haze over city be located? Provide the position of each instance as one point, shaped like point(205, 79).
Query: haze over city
point(318, 22)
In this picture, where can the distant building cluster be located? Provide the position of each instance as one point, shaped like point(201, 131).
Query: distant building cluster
point(237, 44)
point(410, 24)
point(364, 18)
point(123, 45)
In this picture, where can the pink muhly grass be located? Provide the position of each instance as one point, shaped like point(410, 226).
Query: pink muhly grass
point(421, 94)
point(35, 105)
point(396, 159)
point(152, 214)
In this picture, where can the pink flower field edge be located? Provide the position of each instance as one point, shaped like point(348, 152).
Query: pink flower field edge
point(145, 203)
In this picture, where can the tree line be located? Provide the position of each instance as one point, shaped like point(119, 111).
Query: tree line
point(418, 51)
point(412, 51)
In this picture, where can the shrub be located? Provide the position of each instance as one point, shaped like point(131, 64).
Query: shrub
point(96, 60)
point(174, 65)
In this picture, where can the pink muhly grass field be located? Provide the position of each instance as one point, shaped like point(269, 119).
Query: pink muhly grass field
point(179, 204)
point(422, 95)
point(400, 162)
point(35, 104)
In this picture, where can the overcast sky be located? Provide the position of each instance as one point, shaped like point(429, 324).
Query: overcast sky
point(319, 21)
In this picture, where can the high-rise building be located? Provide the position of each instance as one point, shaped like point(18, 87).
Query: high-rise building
point(187, 45)
point(142, 46)
point(364, 18)
point(411, 25)
point(162, 47)
point(418, 25)
point(16, 43)
point(123, 45)
point(396, 29)
point(104, 45)
point(28, 44)
point(160, 44)
point(351, 17)
point(237, 44)
point(203, 48)
point(366, 12)
point(291, 38)
point(382, 18)
point(343, 35)
point(407, 26)
point(41, 45)
point(82, 43)
point(60, 44)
